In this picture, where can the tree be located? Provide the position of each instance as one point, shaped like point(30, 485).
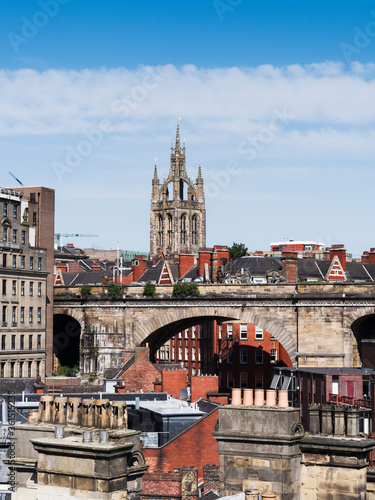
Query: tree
point(149, 289)
point(114, 289)
point(185, 290)
point(85, 290)
point(237, 250)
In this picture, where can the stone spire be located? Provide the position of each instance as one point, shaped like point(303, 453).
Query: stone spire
point(199, 183)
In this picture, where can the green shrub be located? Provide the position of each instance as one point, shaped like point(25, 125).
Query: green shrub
point(85, 290)
point(114, 289)
point(149, 290)
point(69, 371)
point(185, 290)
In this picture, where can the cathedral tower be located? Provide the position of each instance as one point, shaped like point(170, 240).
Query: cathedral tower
point(178, 214)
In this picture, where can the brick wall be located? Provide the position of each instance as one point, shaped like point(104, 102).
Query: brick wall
point(141, 375)
point(200, 386)
point(170, 485)
point(173, 381)
point(196, 446)
point(211, 478)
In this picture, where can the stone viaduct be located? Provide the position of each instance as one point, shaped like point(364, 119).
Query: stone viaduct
point(319, 325)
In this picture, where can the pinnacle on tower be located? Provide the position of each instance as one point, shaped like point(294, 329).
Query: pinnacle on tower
point(177, 146)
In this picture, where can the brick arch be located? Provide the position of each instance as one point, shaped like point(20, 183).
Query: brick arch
point(164, 326)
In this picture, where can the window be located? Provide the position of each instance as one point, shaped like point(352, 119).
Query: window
point(22, 288)
point(31, 263)
point(2, 370)
point(180, 335)
point(22, 342)
point(173, 353)
point(12, 369)
point(5, 231)
point(14, 287)
point(230, 356)
point(230, 330)
point(31, 288)
point(22, 315)
point(193, 354)
point(14, 235)
point(30, 342)
point(230, 380)
point(243, 379)
point(14, 315)
point(220, 331)
point(180, 353)
point(39, 342)
point(335, 384)
point(5, 210)
point(186, 354)
point(193, 372)
point(21, 368)
point(23, 237)
point(258, 333)
point(243, 356)
point(273, 355)
point(243, 331)
point(259, 381)
point(22, 262)
point(38, 367)
point(186, 333)
point(200, 331)
point(4, 287)
point(29, 369)
point(4, 315)
point(14, 261)
point(13, 342)
point(14, 211)
point(3, 337)
point(30, 314)
point(4, 260)
point(34, 218)
point(259, 356)
point(39, 263)
point(39, 289)
point(39, 314)
point(194, 232)
point(193, 332)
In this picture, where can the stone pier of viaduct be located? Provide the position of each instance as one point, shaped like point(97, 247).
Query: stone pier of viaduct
point(319, 325)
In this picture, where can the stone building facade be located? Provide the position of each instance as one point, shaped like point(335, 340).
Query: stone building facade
point(178, 214)
point(23, 277)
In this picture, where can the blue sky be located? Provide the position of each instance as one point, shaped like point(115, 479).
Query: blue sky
point(277, 98)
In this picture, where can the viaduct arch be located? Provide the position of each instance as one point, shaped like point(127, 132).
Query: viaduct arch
point(319, 325)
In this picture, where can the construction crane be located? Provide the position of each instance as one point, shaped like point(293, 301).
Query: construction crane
point(73, 235)
point(15, 178)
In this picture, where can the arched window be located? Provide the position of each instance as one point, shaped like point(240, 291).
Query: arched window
point(183, 228)
point(194, 230)
point(170, 230)
point(160, 231)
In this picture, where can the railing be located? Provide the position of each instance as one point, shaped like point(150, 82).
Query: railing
point(346, 400)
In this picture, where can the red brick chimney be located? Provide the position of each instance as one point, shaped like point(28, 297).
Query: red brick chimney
point(95, 265)
point(371, 257)
point(185, 262)
point(139, 266)
point(205, 258)
point(289, 260)
point(365, 259)
point(340, 251)
point(222, 254)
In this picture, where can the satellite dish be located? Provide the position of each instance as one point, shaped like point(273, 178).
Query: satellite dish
point(183, 393)
point(28, 389)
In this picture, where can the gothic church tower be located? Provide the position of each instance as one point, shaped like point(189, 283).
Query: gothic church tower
point(178, 214)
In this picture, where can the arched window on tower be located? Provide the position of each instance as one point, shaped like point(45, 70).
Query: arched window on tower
point(170, 230)
point(194, 230)
point(183, 229)
point(160, 231)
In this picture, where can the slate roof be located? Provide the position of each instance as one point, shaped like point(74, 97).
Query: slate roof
point(308, 269)
point(257, 265)
point(85, 278)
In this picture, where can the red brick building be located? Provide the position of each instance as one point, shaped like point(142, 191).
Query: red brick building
point(241, 354)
